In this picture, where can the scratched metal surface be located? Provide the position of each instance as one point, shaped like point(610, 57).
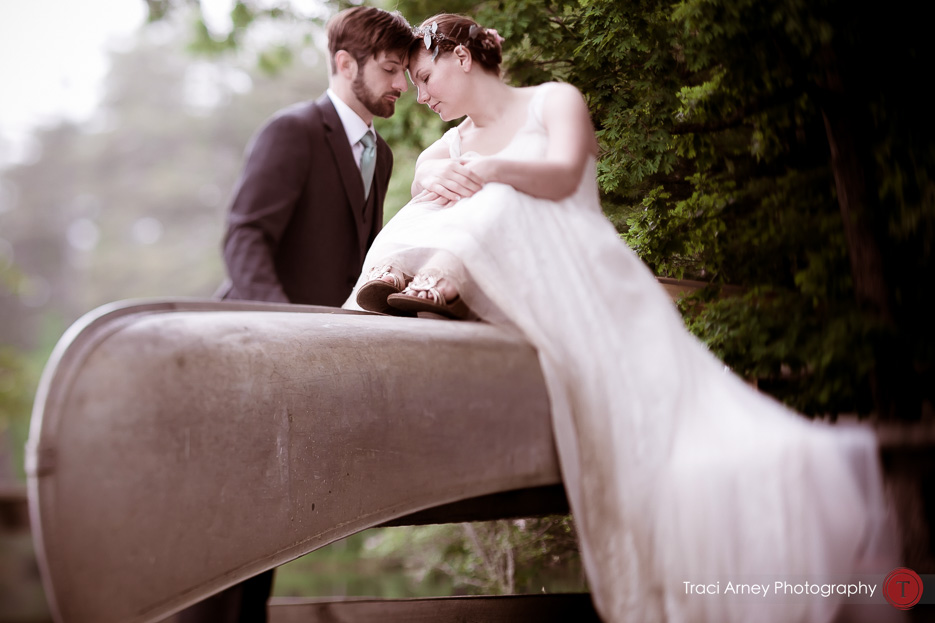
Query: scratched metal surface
point(178, 447)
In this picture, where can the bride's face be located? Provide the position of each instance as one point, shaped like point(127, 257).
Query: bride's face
point(440, 84)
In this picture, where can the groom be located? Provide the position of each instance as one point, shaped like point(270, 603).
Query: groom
point(310, 199)
point(310, 202)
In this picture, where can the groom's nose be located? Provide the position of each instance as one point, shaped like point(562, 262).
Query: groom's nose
point(400, 83)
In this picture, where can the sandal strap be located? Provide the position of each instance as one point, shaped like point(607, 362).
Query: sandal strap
point(425, 283)
point(382, 271)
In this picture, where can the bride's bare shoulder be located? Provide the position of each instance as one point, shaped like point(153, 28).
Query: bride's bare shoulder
point(564, 109)
point(562, 99)
point(562, 92)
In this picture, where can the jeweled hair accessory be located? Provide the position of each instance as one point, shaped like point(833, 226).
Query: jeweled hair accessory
point(430, 33)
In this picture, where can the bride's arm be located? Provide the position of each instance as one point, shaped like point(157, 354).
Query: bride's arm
point(571, 141)
point(442, 175)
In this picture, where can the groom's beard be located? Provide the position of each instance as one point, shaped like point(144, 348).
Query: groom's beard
point(374, 103)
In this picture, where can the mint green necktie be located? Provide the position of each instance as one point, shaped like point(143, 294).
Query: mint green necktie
point(367, 161)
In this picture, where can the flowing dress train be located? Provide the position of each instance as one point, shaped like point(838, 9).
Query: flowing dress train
point(676, 470)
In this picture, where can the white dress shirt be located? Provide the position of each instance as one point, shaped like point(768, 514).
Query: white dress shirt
point(354, 126)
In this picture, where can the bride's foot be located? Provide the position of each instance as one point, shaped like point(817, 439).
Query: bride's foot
point(432, 294)
point(383, 281)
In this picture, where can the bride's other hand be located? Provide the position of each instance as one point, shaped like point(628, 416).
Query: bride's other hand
point(482, 169)
point(448, 178)
point(427, 196)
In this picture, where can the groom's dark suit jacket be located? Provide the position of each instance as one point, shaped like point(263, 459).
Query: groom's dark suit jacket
point(299, 227)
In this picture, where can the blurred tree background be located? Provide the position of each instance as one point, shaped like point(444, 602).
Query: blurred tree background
point(131, 203)
point(780, 146)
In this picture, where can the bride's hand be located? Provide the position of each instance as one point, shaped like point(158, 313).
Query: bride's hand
point(427, 196)
point(483, 169)
point(448, 178)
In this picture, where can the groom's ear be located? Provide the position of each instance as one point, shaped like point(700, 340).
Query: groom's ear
point(345, 64)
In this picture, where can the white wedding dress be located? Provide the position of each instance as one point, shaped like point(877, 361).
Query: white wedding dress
point(676, 470)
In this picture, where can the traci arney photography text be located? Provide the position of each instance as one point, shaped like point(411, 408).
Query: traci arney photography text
point(781, 588)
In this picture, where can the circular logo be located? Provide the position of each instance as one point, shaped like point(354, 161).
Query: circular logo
point(902, 588)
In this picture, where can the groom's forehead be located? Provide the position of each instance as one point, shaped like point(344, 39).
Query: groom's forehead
point(397, 57)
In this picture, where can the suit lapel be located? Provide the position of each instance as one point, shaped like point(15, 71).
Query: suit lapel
point(343, 158)
point(383, 170)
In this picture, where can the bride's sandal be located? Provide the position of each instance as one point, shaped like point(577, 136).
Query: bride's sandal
point(432, 305)
point(372, 295)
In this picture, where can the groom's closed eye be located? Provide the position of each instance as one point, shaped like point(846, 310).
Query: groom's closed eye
point(391, 66)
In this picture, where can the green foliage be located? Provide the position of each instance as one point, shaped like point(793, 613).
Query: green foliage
point(271, 55)
point(491, 558)
point(19, 377)
point(807, 353)
point(15, 386)
point(485, 558)
point(15, 381)
point(20, 368)
point(349, 567)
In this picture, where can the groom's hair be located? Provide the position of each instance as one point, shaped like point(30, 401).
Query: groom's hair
point(364, 31)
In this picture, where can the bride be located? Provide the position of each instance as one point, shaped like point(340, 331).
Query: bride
point(678, 473)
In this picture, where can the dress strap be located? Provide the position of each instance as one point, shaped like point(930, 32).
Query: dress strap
point(453, 138)
point(537, 101)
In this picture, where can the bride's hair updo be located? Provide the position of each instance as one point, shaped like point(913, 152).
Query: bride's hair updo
point(444, 32)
